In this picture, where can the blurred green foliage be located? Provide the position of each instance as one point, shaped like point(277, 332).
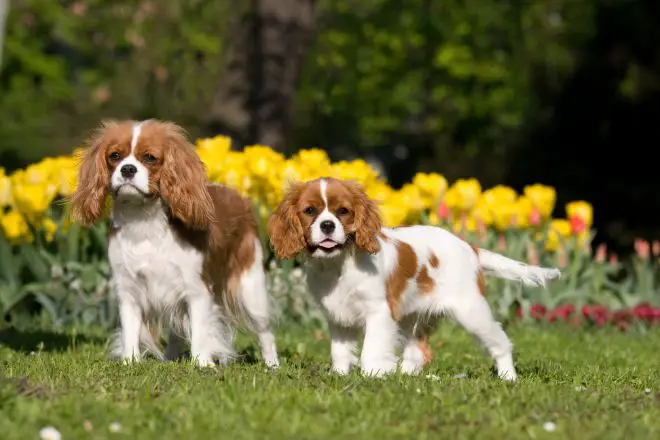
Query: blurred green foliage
point(456, 75)
point(66, 64)
point(452, 77)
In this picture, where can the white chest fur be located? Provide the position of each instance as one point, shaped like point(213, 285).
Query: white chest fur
point(149, 262)
point(346, 289)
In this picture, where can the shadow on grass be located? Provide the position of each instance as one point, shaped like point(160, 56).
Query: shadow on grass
point(42, 340)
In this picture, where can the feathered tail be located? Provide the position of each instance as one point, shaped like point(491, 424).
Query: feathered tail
point(508, 269)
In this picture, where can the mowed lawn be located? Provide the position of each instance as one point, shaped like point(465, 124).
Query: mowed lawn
point(573, 384)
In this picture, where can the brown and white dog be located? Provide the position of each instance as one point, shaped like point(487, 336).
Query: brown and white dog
point(181, 251)
point(389, 282)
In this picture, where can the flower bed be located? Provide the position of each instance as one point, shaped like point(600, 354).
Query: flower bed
point(38, 237)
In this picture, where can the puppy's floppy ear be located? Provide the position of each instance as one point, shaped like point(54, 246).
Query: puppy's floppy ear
point(88, 201)
point(284, 228)
point(183, 183)
point(367, 223)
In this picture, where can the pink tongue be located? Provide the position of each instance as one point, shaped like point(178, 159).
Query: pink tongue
point(327, 244)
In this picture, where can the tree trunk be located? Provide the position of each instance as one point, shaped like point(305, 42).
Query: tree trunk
point(253, 102)
point(4, 11)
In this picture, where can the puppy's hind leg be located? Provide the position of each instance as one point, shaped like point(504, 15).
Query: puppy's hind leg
point(255, 302)
point(416, 350)
point(473, 313)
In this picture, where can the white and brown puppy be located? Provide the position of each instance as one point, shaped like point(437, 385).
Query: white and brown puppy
point(389, 282)
point(182, 252)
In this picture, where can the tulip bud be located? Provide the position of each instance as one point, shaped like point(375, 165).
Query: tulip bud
point(532, 256)
point(501, 243)
point(535, 217)
point(562, 257)
point(656, 248)
point(601, 253)
point(443, 211)
point(642, 248)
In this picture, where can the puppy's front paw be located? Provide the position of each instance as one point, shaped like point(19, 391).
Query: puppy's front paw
point(410, 367)
point(378, 369)
point(341, 370)
point(273, 363)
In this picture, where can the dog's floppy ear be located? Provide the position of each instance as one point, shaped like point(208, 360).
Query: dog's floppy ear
point(183, 183)
point(367, 223)
point(285, 231)
point(88, 201)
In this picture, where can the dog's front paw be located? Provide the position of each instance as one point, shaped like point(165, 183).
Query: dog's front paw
point(509, 375)
point(205, 362)
point(130, 359)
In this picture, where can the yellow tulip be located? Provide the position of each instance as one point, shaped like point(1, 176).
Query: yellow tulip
point(313, 158)
point(504, 215)
point(482, 212)
point(466, 223)
point(411, 197)
point(434, 219)
point(581, 216)
point(432, 186)
point(217, 145)
point(524, 217)
point(467, 192)
point(499, 194)
point(543, 198)
point(15, 227)
point(357, 170)
point(558, 230)
point(5, 189)
point(262, 161)
point(379, 191)
point(39, 173)
point(393, 214)
point(49, 228)
point(34, 199)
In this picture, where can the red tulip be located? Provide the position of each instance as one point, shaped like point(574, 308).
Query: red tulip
point(443, 211)
point(538, 311)
point(578, 224)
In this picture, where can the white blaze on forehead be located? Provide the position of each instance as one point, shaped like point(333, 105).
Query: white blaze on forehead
point(137, 129)
point(324, 191)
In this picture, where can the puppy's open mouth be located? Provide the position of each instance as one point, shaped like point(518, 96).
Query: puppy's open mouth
point(326, 245)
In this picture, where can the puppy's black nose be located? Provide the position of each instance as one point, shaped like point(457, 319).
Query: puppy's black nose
point(128, 171)
point(327, 226)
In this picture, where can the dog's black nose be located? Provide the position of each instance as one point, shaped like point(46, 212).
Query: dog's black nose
point(128, 171)
point(327, 226)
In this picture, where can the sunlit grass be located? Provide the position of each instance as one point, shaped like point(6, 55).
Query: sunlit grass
point(597, 385)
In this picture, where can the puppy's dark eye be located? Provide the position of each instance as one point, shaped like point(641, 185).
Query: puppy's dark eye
point(150, 158)
point(115, 156)
point(342, 211)
point(310, 210)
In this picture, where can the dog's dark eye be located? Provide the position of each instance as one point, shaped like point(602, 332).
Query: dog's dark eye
point(310, 210)
point(115, 156)
point(342, 211)
point(150, 158)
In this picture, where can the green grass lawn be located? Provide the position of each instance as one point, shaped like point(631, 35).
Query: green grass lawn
point(591, 385)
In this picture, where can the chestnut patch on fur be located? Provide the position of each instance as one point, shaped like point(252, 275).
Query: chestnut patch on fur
point(425, 283)
point(405, 269)
point(481, 279)
point(433, 261)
